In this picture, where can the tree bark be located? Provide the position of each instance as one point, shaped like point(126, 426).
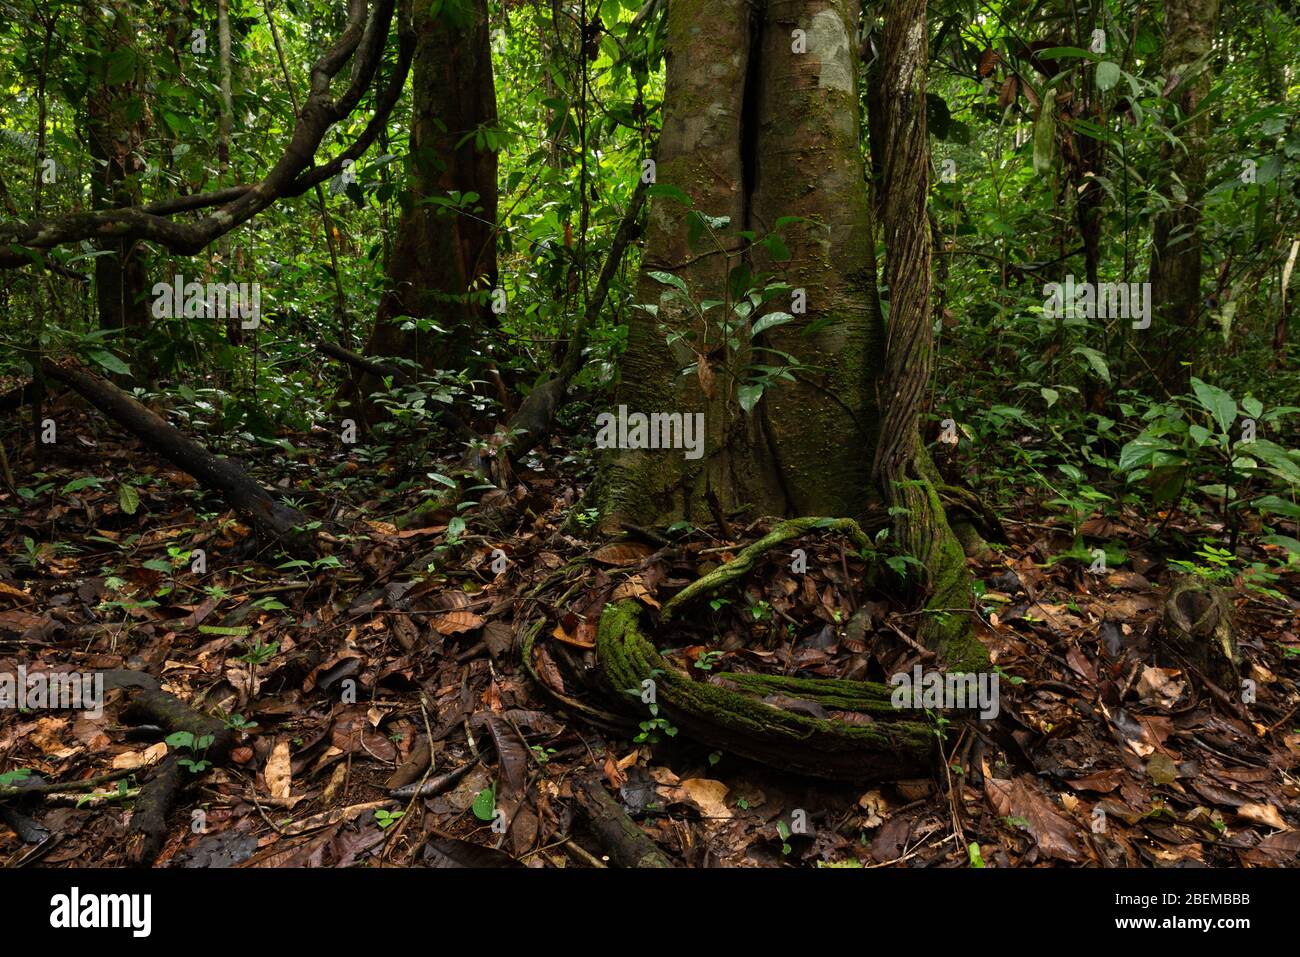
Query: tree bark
point(1170, 345)
point(755, 130)
point(441, 255)
point(116, 127)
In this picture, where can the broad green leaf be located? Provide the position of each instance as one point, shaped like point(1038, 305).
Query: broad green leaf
point(128, 499)
point(1045, 138)
point(1096, 360)
point(110, 362)
point(769, 321)
point(86, 481)
point(749, 394)
point(665, 191)
point(1107, 74)
point(1276, 505)
point(1216, 402)
point(668, 279)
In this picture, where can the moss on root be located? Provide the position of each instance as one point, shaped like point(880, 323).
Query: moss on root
point(740, 722)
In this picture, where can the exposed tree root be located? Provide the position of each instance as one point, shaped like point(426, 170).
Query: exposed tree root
point(149, 704)
point(741, 722)
point(742, 713)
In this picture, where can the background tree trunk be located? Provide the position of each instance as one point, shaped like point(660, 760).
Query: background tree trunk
point(902, 466)
point(1170, 345)
point(116, 127)
point(440, 254)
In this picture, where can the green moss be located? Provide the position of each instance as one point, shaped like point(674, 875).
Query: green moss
point(744, 724)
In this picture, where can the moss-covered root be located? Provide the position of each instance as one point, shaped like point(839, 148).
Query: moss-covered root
point(947, 614)
point(743, 563)
point(881, 744)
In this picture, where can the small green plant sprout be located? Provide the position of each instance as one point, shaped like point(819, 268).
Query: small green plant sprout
point(237, 722)
point(976, 858)
point(385, 818)
point(783, 830)
point(709, 660)
point(540, 754)
point(184, 741)
point(260, 654)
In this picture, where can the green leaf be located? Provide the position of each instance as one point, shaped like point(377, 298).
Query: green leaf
point(1140, 451)
point(229, 631)
point(668, 279)
point(1045, 138)
point(669, 192)
point(86, 481)
point(110, 362)
point(1277, 457)
point(1096, 360)
point(485, 804)
point(1107, 75)
point(770, 321)
point(1215, 401)
point(128, 499)
point(1277, 506)
point(749, 394)
point(121, 66)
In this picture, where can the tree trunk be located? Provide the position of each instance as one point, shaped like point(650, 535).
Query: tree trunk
point(117, 126)
point(754, 131)
point(441, 255)
point(762, 121)
point(1169, 346)
point(903, 467)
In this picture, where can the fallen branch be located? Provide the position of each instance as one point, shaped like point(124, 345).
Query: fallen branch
point(273, 521)
point(627, 844)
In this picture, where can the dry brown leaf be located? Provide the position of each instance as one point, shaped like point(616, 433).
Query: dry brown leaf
point(1050, 829)
point(559, 634)
point(1265, 814)
point(456, 622)
point(621, 553)
point(279, 771)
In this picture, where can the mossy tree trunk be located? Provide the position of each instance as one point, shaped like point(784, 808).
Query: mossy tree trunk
point(1169, 346)
point(761, 121)
point(442, 255)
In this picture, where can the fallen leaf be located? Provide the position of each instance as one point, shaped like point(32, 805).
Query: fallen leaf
point(279, 771)
point(1050, 829)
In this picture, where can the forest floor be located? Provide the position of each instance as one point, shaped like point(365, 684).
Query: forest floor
point(335, 675)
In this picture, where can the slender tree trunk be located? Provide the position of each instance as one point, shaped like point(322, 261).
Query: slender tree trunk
point(117, 126)
point(1170, 345)
point(442, 255)
point(902, 466)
